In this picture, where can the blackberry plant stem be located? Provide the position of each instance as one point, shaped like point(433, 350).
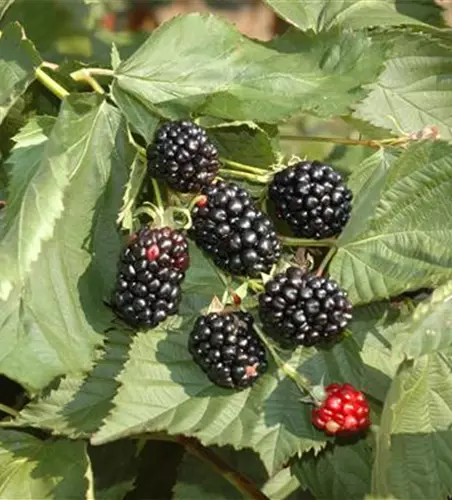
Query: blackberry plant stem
point(258, 179)
point(302, 242)
point(83, 75)
point(301, 382)
point(208, 456)
point(50, 84)
point(371, 143)
point(79, 74)
point(8, 410)
point(326, 261)
point(242, 167)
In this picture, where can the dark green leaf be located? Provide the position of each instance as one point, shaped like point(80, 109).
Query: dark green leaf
point(414, 442)
point(405, 242)
point(52, 323)
point(337, 473)
point(34, 469)
point(18, 62)
point(196, 479)
point(201, 64)
point(321, 15)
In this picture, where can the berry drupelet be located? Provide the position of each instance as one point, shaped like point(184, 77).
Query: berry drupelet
point(298, 308)
point(240, 238)
point(150, 271)
point(227, 349)
point(183, 156)
point(343, 411)
point(312, 198)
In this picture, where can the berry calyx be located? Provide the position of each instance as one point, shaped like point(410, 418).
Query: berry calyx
point(183, 156)
point(202, 201)
point(239, 237)
point(312, 198)
point(299, 308)
point(343, 411)
point(227, 349)
point(150, 272)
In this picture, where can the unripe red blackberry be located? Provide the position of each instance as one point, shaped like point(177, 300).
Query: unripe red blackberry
point(298, 308)
point(343, 411)
point(240, 238)
point(227, 349)
point(183, 156)
point(150, 271)
point(312, 198)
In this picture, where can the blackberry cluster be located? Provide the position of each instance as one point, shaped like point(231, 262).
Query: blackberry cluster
point(312, 198)
point(240, 238)
point(150, 272)
point(302, 309)
point(183, 156)
point(227, 349)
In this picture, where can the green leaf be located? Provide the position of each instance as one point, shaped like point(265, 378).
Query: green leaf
point(196, 479)
point(415, 89)
point(18, 62)
point(337, 473)
point(430, 328)
point(4, 6)
point(218, 72)
point(414, 442)
point(138, 172)
point(246, 143)
point(35, 469)
point(284, 485)
point(52, 323)
point(324, 14)
point(114, 468)
point(405, 243)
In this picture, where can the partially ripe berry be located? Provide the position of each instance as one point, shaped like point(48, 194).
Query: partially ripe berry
point(237, 300)
point(202, 201)
point(344, 411)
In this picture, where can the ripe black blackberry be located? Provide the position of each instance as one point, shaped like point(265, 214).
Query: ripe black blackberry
point(240, 238)
point(312, 198)
point(183, 156)
point(227, 349)
point(298, 308)
point(150, 272)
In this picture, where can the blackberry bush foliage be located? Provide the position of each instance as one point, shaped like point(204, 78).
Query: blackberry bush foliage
point(241, 247)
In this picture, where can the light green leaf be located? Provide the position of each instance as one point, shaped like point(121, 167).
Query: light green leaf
point(18, 62)
point(201, 64)
point(337, 473)
point(284, 485)
point(430, 328)
point(138, 172)
point(405, 243)
point(33, 469)
point(415, 89)
point(324, 14)
point(52, 323)
point(246, 143)
point(196, 479)
point(414, 442)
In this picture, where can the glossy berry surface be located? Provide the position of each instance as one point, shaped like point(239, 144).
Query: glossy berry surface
point(183, 156)
point(239, 237)
point(150, 271)
point(312, 198)
point(227, 349)
point(298, 308)
point(343, 411)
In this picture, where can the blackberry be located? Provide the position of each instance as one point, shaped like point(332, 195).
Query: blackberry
point(298, 308)
point(227, 349)
point(150, 271)
point(183, 156)
point(312, 198)
point(240, 238)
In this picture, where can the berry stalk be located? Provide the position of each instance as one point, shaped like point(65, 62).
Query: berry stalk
point(325, 262)
point(235, 174)
point(8, 410)
point(301, 382)
point(242, 167)
point(305, 242)
point(346, 141)
point(50, 84)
